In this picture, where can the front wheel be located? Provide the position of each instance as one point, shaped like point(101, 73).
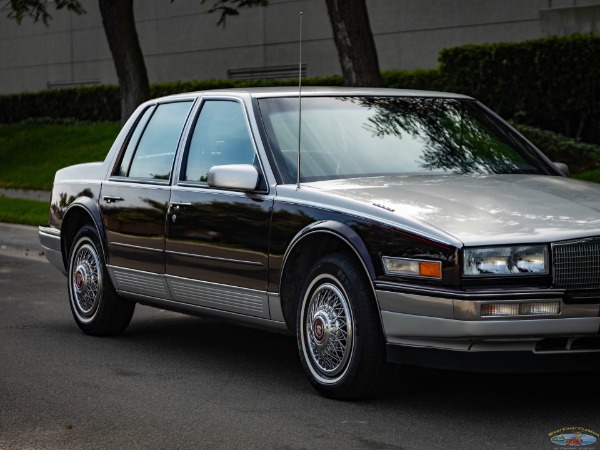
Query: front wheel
point(340, 341)
point(95, 304)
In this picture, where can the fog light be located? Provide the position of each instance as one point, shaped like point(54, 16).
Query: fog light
point(520, 309)
point(499, 309)
point(540, 309)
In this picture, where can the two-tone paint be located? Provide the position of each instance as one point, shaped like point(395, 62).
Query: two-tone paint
point(243, 255)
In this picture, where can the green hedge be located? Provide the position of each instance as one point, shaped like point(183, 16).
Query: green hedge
point(551, 83)
point(579, 156)
point(88, 104)
point(429, 80)
point(102, 103)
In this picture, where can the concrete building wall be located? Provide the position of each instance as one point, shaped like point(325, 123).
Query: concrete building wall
point(181, 40)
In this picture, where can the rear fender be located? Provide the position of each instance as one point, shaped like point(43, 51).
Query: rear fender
point(82, 211)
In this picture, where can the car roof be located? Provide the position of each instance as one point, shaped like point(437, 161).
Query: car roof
point(319, 91)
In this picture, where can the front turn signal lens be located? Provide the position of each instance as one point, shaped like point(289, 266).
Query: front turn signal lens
point(412, 267)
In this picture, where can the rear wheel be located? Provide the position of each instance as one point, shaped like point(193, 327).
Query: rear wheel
point(340, 341)
point(95, 304)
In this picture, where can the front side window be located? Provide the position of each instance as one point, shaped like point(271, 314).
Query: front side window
point(220, 137)
point(345, 137)
point(153, 152)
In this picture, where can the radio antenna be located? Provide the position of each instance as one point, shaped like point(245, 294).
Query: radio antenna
point(299, 105)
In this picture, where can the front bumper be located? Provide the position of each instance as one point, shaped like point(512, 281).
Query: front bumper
point(416, 325)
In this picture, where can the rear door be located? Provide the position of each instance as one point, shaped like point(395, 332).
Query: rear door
point(134, 201)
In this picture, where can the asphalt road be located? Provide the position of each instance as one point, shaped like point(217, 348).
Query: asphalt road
point(173, 381)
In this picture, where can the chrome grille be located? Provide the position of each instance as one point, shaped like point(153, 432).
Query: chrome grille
point(577, 268)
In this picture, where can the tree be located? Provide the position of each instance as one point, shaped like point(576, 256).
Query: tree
point(121, 34)
point(354, 41)
point(119, 26)
point(351, 31)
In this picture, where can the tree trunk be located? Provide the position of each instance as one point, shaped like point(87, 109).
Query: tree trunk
point(119, 26)
point(354, 42)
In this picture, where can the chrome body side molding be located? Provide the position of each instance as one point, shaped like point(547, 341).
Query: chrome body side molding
point(212, 295)
point(147, 285)
point(138, 282)
point(196, 310)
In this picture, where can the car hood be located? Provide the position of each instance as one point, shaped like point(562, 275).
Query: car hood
point(485, 209)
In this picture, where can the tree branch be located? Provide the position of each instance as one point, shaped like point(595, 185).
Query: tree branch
point(38, 10)
point(230, 7)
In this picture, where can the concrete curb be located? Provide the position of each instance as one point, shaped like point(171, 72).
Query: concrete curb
point(26, 194)
point(20, 241)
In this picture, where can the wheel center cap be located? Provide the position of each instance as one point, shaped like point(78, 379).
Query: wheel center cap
point(319, 329)
point(80, 278)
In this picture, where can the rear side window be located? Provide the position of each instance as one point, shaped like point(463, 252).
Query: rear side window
point(152, 146)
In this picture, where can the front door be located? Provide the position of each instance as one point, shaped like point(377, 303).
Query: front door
point(217, 240)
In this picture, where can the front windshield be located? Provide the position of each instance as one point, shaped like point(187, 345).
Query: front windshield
point(345, 137)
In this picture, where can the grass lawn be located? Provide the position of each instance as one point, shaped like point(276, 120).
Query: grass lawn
point(30, 154)
point(592, 175)
point(27, 212)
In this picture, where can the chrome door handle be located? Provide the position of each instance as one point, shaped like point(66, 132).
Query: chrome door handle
point(178, 205)
point(111, 198)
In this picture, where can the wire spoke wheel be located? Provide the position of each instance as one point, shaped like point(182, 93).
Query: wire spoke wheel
point(96, 306)
point(86, 279)
point(329, 330)
point(341, 345)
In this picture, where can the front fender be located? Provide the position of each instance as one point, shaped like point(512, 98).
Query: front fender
point(342, 231)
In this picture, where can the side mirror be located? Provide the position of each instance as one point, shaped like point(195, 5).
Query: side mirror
point(563, 168)
point(240, 177)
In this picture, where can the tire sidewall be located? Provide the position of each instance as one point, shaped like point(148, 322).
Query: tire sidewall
point(87, 237)
point(350, 282)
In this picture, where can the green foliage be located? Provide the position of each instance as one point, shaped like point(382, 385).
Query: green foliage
point(102, 103)
point(27, 212)
point(430, 80)
point(230, 7)
point(32, 153)
point(579, 156)
point(592, 175)
point(38, 9)
point(85, 104)
point(551, 83)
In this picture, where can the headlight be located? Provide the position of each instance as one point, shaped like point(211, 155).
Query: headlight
point(525, 260)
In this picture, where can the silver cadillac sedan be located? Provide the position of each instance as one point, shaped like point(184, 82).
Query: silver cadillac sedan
point(375, 225)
